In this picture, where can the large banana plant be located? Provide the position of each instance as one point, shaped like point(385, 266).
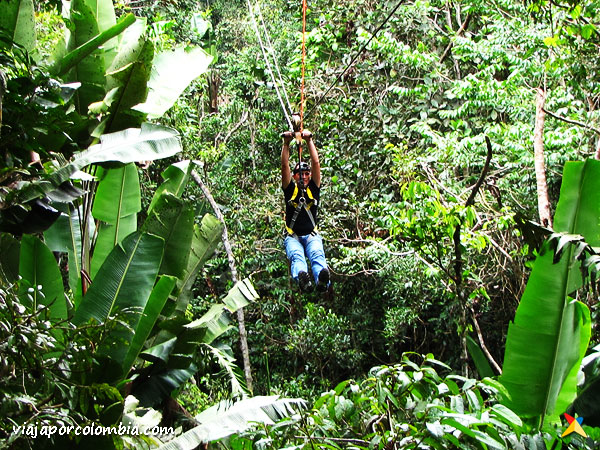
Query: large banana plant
point(551, 330)
point(18, 22)
point(121, 83)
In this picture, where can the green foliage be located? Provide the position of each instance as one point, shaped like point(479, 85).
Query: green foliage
point(407, 405)
point(226, 418)
point(562, 332)
point(42, 364)
point(321, 338)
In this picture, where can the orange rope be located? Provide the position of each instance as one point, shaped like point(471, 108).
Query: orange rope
point(302, 79)
point(303, 64)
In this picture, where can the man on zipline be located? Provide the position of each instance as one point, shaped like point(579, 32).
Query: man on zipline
point(302, 193)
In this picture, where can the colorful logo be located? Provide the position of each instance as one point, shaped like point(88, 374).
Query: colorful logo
point(574, 426)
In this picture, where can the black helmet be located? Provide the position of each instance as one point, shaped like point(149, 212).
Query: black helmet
point(304, 166)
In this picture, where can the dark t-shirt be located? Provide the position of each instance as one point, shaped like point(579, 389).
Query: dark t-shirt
point(303, 225)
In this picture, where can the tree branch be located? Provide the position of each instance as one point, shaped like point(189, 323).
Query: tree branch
point(486, 168)
point(483, 346)
point(458, 33)
point(234, 277)
point(571, 121)
point(540, 165)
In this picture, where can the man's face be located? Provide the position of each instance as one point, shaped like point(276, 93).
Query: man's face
point(305, 177)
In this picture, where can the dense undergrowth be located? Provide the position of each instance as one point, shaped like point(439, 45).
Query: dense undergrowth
point(430, 246)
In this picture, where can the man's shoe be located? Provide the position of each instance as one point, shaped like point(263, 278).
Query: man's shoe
point(304, 282)
point(323, 282)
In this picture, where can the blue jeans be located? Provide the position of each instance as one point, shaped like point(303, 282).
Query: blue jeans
point(297, 249)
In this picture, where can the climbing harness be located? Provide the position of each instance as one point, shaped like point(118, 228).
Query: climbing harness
point(300, 204)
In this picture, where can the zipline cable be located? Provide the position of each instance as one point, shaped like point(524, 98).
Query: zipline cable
point(301, 125)
point(287, 117)
point(272, 53)
point(303, 66)
point(355, 57)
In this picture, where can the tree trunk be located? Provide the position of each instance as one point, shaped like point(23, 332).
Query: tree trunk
point(540, 166)
point(234, 277)
point(214, 81)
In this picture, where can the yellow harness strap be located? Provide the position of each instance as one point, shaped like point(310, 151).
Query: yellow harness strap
point(295, 205)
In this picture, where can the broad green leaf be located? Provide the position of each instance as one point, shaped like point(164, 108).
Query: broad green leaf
point(226, 361)
point(173, 220)
point(118, 194)
point(213, 324)
point(154, 306)
point(588, 30)
point(128, 53)
point(481, 362)
point(17, 20)
point(550, 333)
point(39, 270)
point(435, 428)
point(159, 352)
point(9, 258)
point(129, 76)
point(240, 295)
point(85, 66)
point(205, 240)
point(108, 237)
point(162, 384)
point(149, 142)
point(116, 204)
point(176, 177)
point(124, 282)
point(507, 416)
point(199, 25)
point(65, 236)
point(104, 12)
point(172, 72)
point(225, 419)
point(79, 58)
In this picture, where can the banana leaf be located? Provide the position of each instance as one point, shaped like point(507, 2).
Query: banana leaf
point(161, 384)
point(108, 237)
point(104, 11)
point(550, 333)
point(116, 204)
point(118, 194)
point(76, 57)
point(149, 142)
point(65, 236)
point(225, 359)
point(129, 76)
point(160, 352)
point(88, 67)
point(205, 240)
point(41, 277)
point(17, 20)
point(172, 72)
point(481, 363)
point(123, 283)
point(173, 220)
point(155, 304)
point(176, 177)
point(227, 418)
point(240, 295)
point(173, 355)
